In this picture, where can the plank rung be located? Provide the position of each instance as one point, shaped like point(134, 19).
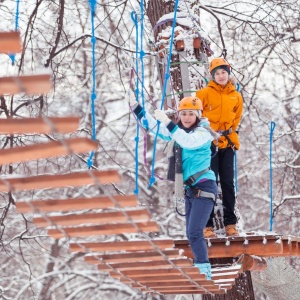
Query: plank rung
point(58, 181)
point(28, 84)
point(121, 246)
point(38, 125)
point(46, 150)
point(158, 264)
point(10, 42)
point(93, 218)
point(77, 203)
point(104, 229)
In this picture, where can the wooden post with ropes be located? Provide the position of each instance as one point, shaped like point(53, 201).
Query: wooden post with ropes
point(183, 82)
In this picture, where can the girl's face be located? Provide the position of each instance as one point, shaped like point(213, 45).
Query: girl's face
point(221, 77)
point(188, 118)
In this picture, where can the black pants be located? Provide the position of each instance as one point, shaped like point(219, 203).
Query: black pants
point(222, 165)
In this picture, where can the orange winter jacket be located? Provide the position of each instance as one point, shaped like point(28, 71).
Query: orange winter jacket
point(223, 107)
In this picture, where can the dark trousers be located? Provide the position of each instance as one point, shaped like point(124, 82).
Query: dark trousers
point(198, 210)
point(222, 165)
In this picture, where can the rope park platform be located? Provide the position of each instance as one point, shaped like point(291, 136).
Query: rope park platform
point(163, 266)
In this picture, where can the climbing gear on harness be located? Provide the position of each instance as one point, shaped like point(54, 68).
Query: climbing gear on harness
point(226, 133)
point(192, 179)
point(231, 230)
point(190, 103)
point(208, 232)
point(217, 62)
point(204, 268)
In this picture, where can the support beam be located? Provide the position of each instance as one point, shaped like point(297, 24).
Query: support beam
point(57, 181)
point(46, 150)
point(10, 42)
point(28, 84)
point(39, 125)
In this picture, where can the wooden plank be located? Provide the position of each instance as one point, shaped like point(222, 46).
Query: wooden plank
point(237, 248)
point(121, 245)
point(149, 279)
point(28, 84)
point(77, 203)
point(132, 257)
point(10, 42)
point(179, 284)
point(188, 291)
point(57, 181)
point(39, 125)
point(103, 229)
point(158, 264)
point(141, 215)
point(160, 272)
point(46, 150)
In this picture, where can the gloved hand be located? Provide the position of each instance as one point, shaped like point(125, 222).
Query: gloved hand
point(161, 116)
point(131, 98)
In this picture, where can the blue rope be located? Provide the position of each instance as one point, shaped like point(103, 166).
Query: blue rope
point(142, 54)
point(93, 94)
point(135, 21)
point(272, 128)
point(235, 172)
point(167, 76)
point(12, 56)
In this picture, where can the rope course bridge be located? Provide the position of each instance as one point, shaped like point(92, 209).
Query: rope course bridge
point(163, 266)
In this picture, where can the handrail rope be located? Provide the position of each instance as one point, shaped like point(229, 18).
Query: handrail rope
point(12, 56)
point(93, 94)
point(272, 128)
point(235, 172)
point(167, 76)
point(134, 18)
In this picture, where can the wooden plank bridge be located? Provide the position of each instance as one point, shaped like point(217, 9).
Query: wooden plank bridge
point(163, 266)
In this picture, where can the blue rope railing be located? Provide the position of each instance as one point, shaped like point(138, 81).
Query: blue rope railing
point(93, 93)
point(235, 172)
point(272, 128)
point(134, 18)
point(12, 56)
point(167, 76)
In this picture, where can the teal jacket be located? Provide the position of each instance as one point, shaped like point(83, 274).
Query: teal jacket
point(196, 152)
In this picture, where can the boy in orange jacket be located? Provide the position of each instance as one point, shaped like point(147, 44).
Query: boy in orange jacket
point(223, 106)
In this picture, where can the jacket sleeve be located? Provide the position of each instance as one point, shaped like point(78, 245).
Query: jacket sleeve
point(238, 113)
point(191, 140)
point(150, 123)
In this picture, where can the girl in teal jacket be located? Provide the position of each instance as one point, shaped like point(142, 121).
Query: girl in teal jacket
point(192, 140)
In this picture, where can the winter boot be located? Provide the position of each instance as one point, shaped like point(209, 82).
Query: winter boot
point(231, 230)
point(208, 232)
point(204, 268)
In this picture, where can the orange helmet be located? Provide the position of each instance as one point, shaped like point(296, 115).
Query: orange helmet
point(217, 62)
point(190, 103)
